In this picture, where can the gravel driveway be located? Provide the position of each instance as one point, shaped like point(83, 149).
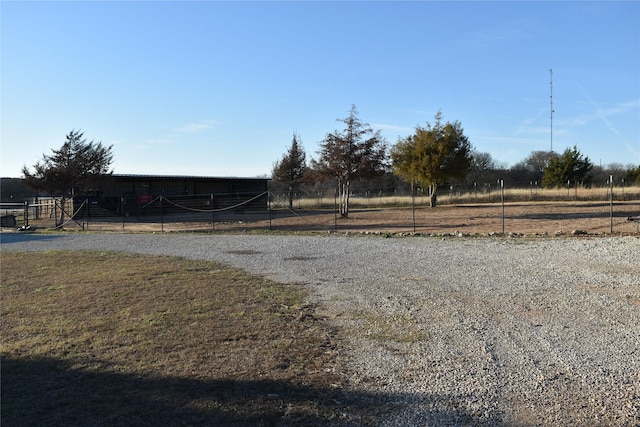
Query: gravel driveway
point(458, 331)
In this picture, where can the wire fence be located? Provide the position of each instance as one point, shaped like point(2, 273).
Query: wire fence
point(460, 211)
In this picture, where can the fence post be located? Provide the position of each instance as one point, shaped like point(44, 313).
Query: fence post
point(413, 206)
point(26, 213)
point(161, 214)
point(502, 199)
point(611, 204)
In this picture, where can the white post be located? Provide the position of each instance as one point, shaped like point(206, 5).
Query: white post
point(502, 197)
point(611, 204)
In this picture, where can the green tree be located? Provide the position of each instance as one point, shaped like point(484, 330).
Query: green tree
point(290, 170)
point(433, 155)
point(357, 152)
point(73, 170)
point(569, 167)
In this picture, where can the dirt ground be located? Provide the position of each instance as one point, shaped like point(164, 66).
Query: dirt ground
point(522, 218)
point(530, 218)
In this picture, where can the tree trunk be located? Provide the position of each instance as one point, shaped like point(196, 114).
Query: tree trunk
point(433, 197)
point(63, 201)
point(343, 189)
point(290, 198)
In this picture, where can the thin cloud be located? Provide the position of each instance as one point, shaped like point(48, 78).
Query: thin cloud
point(603, 114)
point(531, 126)
point(197, 126)
point(423, 112)
point(508, 31)
point(539, 130)
point(157, 141)
point(386, 127)
point(635, 151)
point(509, 140)
point(526, 128)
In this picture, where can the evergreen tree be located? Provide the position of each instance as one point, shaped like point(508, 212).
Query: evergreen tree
point(357, 152)
point(433, 155)
point(74, 169)
point(570, 167)
point(290, 170)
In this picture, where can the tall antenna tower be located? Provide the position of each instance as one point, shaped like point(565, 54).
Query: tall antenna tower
point(551, 100)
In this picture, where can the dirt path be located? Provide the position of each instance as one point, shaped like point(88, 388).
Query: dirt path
point(544, 218)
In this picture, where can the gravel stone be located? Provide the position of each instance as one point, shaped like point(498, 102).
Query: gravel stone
point(465, 331)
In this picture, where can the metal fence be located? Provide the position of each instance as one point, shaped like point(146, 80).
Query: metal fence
point(21, 214)
point(461, 211)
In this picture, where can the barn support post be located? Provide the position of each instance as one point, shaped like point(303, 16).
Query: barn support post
point(269, 208)
point(161, 215)
point(213, 214)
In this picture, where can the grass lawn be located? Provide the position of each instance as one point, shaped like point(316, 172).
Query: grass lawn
point(93, 338)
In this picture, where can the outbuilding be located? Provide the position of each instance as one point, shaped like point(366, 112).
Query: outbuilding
point(131, 193)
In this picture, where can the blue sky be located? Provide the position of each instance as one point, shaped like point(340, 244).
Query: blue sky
point(218, 88)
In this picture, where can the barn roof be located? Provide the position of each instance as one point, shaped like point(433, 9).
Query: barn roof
point(183, 177)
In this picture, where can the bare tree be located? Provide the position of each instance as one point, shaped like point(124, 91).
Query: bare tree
point(291, 168)
point(532, 168)
point(357, 152)
point(480, 164)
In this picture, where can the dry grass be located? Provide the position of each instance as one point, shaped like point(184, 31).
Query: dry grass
point(529, 218)
point(116, 339)
point(455, 196)
point(526, 211)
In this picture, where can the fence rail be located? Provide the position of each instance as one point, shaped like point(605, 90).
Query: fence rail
point(499, 210)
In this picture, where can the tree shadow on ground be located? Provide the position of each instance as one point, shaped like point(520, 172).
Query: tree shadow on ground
point(563, 216)
point(51, 392)
point(17, 237)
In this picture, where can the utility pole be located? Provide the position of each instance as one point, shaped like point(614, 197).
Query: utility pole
point(551, 100)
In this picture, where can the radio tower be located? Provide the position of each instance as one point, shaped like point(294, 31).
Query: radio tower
point(551, 99)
